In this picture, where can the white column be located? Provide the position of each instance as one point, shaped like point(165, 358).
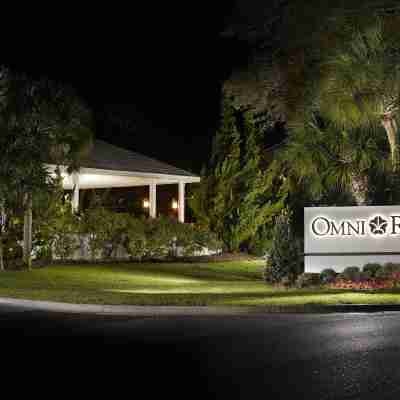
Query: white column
point(153, 200)
point(75, 192)
point(181, 202)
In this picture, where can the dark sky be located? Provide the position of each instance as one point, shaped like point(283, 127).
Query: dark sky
point(152, 74)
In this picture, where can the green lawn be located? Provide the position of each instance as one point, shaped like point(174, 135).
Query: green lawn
point(222, 283)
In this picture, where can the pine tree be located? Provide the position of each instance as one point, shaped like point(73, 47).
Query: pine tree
point(233, 199)
point(285, 257)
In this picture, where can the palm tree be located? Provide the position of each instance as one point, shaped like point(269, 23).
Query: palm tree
point(331, 163)
point(360, 82)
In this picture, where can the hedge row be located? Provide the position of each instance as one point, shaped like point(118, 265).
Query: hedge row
point(106, 231)
point(370, 276)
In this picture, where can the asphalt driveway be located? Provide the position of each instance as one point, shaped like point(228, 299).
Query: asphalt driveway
point(288, 356)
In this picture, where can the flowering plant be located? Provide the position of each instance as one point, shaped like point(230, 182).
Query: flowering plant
point(392, 281)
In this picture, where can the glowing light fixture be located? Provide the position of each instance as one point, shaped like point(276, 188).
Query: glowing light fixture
point(174, 204)
point(146, 203)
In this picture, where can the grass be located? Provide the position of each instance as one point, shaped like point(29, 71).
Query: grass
point(223, 283)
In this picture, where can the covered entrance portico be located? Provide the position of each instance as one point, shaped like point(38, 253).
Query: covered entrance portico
point(89, 178)
point(108, 166)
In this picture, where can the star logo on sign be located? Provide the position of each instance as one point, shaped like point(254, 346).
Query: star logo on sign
point(378, 225)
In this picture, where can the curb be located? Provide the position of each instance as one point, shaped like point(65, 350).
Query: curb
point(122, 310)
point(189, 311)
point(355, 308)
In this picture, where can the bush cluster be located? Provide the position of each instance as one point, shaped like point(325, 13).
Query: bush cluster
point(370, 271)
point(308, 280)
point(371, 276)
point(107, 231)
point(11, 243)
point(351, 274)
point(328, 276)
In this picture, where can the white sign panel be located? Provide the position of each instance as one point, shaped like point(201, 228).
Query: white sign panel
point(338, 237)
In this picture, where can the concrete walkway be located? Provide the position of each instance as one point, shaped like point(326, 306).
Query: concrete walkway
point(19, 305)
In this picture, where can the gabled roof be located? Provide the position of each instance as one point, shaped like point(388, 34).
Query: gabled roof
point(109, 157)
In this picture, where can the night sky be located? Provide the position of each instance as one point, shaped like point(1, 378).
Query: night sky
point(151, 74)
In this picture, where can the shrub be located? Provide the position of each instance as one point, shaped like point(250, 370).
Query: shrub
point(141, 238)
point(395, 277)
point(94, 225)
point(373, 284)
point(267, 275)
point(160, 236)
point(370, 270)
point(183, 239)
point(328, 276)
point(260, 244)
point(164, 236)
point(391, 267)
point(106, 231)
point(204, 238)
point(64, 236)
point(65, 245)
point(49, 222)
point(351, 274)
point(114, 230)
point(381, 273)
point(12, 249)
point(135, 239)
point(285, 259)
point(308, 279)
point(385, 271)
point(191, 239)
point(386, 277)
point(286, 281)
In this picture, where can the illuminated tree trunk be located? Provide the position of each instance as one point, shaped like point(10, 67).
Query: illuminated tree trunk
point(2, 230)
point(390, 125)
point(359, 187)
point(27, 249)
point(1, 255)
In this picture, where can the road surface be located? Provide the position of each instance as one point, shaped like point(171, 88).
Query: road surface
point(271, 356)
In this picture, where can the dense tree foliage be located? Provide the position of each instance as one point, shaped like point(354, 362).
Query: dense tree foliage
point(233, 199)
point(41, 122)
point(287, 40)
point(360, 81)
point(330, 72)
point(335, 165)
point(334, 78)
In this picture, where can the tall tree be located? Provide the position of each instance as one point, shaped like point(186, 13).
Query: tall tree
point(287, 40)
point(360, 82)
point(41, 122)
point(232, 199)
